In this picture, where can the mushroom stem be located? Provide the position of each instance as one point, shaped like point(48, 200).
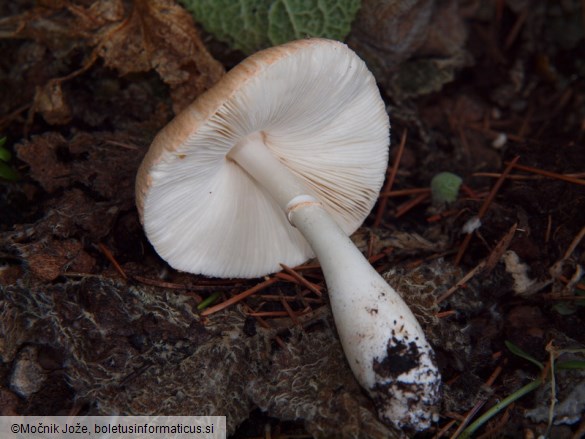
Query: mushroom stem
point(252, 155)
point(382, 340)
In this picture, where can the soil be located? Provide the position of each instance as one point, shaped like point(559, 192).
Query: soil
point(91, 317)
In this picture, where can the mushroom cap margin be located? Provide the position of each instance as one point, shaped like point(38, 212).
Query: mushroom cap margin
point(328, 124)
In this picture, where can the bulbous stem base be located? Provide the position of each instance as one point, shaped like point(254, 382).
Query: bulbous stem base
point(382, 340)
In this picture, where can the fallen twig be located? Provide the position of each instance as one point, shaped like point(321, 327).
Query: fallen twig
point(383, 200)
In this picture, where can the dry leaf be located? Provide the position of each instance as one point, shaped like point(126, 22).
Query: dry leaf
point(48, 260)
point(45, 167)
point(131, 37)
point(159, 35)
point(50, 102)
point(390, 33)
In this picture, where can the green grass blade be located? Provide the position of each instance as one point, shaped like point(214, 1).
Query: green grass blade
point(499, 407)
point(522, 354)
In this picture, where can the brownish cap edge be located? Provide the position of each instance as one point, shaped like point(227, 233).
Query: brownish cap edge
point(176, 132)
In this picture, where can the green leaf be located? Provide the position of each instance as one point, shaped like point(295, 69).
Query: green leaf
point(209, 300)
point(445, 188)
point(571, 364)
point(522, 354)
point(7, 173)
point(251, 25)
point(565, 308)
point(5, 155)
point(294, 19)
point(242, 24)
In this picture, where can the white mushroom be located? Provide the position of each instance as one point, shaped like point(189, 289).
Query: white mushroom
point(284, 157)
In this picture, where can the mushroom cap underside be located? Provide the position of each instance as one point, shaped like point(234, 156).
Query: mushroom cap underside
point(320, 113)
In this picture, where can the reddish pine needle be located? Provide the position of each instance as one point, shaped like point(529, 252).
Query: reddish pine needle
point(382, 200)
point(411, 204)
point(485, 206)
point(403, 192)
point(239, 297)
point(302, 281)
point(110, 257)
point(548, 174)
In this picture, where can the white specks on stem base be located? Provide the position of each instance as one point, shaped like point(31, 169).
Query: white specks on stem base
point(407, 389)
point(385, 346)
point(393, 361)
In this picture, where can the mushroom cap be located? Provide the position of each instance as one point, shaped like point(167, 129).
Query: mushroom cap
point(320, 113)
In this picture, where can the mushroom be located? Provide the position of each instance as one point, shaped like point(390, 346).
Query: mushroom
point(281, 161)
